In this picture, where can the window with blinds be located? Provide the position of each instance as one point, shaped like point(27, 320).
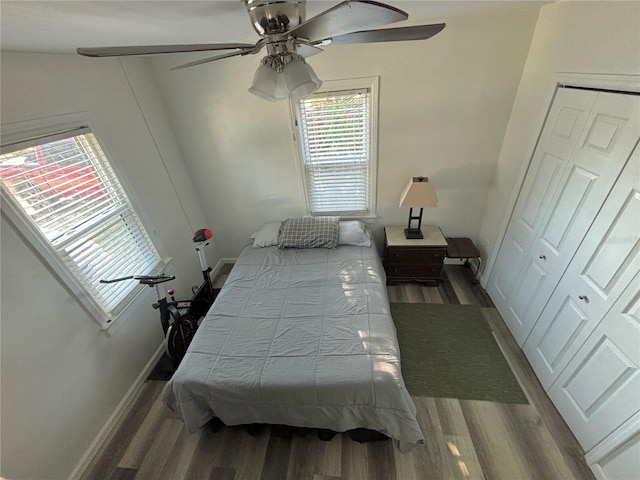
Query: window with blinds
point(65, 187)
point(335, 141)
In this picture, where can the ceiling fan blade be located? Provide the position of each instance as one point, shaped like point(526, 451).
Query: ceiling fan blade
point(308, 50)
point(213, 59)
point(419, 32)
point(347, 17)
point(155, 49)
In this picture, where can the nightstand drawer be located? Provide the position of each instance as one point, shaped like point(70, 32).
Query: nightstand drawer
point(411, 260)
point(408, 271)
point(416, 255)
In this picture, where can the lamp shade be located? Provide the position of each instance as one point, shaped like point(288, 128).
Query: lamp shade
point(268, 84)
point(313, 76)
point(300, 78)
point(419, 193)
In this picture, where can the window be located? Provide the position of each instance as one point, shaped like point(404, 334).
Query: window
point(337, 144)
point(66, 192)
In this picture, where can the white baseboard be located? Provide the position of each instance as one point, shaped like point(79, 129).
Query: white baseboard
point(215, 270)
point(221, 263)
point(109, 427)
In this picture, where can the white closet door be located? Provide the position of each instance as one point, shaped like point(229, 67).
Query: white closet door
point(600, 388)
point(557, 142)
point(604, 265)
point(529, 268)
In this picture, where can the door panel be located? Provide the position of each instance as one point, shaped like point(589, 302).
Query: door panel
point(529, 284)
point(616, 253)
point(566, 213)
point(541, 187)
point(617, 457)
point(602, 148)
point(566, 325)
point(604, 265)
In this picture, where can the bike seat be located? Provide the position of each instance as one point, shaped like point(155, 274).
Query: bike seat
point(202, 235)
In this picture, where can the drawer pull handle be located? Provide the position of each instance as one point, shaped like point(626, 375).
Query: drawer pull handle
point(584, 297)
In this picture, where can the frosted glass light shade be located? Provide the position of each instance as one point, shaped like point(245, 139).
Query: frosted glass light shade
point(301, 79)
point(313, 76)
point(281, 88)
point(268, 84)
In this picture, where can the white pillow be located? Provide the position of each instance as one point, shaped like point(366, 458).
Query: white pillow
point(354, 232)
point(267, 235)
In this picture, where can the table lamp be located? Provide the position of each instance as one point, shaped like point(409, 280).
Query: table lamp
point(417, 193)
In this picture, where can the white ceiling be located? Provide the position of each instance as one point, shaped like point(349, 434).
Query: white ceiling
point(62, 26)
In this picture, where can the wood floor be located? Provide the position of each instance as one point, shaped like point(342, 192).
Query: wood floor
point(464, 439)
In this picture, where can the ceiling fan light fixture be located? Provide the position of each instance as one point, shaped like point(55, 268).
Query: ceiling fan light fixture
point(289, 38)
point(300, 78)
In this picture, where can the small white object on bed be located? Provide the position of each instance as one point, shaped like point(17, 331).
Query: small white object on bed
point(300, 337)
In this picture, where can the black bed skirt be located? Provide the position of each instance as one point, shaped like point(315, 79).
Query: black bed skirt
point(361, 435)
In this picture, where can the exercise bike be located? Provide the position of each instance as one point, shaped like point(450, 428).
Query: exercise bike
point(179, 318)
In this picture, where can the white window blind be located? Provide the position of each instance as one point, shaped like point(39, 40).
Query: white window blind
point(335, 146)
point(65, 187)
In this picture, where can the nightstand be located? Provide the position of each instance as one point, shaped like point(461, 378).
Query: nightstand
point(419, 260)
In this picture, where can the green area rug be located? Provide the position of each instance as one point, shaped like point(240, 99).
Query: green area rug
point(449, 351)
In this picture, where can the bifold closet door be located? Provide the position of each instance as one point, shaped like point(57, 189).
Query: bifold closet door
point(607, 262)
point(585, 142)
point(600, 388)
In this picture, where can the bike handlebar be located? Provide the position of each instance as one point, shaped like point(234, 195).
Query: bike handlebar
point(143, 279)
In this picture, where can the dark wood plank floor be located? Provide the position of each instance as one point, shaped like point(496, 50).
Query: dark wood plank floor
point(465, 439)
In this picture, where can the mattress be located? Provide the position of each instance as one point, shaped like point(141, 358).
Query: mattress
point(299, 337)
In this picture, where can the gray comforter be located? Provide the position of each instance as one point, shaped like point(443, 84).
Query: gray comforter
point(299, 337)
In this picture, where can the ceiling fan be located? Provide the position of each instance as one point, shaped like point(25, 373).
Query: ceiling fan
point(289, 38)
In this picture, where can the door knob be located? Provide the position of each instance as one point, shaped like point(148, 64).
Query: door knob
point(543, 257)
point(583, 297)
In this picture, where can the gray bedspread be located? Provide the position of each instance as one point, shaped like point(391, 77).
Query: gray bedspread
point(300, 337)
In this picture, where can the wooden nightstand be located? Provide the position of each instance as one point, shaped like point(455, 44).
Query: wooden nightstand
point(418, 260)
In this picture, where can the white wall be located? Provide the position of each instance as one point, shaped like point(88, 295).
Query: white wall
point(577, 37)
point(444, 106)
point(62, 377)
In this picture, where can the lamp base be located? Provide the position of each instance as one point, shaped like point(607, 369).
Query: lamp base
point(413, 233)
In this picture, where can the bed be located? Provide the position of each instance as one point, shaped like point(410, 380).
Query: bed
point(300, 337)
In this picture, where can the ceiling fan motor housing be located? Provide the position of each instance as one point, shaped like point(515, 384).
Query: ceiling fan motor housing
point(275, 16)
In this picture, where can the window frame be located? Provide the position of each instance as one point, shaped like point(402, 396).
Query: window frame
point(344, 85)
point(28, 131)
